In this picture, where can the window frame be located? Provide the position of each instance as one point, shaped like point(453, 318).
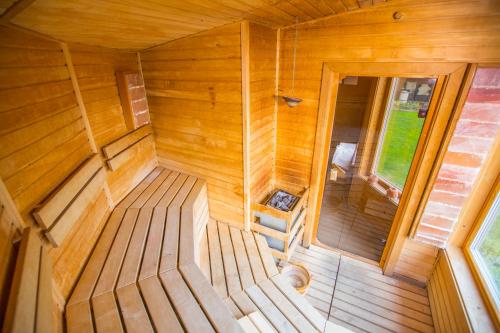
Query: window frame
point(492, 199)
point(381, 134)
point(384, 120)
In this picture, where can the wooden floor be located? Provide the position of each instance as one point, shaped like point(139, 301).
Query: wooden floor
point(357, 296)
point(345, 227)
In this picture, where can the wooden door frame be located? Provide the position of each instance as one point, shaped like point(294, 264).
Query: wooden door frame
point(450, 76)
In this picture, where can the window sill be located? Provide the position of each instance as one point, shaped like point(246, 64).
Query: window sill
point(380, 188)
point(477, 311)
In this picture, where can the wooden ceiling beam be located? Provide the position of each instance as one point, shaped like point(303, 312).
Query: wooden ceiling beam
point(15, 9)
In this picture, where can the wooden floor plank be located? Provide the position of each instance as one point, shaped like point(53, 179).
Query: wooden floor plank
point(244, 270)
point(261, 323)
point(258, 271)
point(228, 257)
point(171, 193)
point(132, 262)
point(393, 297)
point(133, 311)
point(79, 317)
point(244, 303)
point(111, 269)
point(266, 256)
point(247, 325)
point(288, 309)
point(216, 263)
point(159, 307)
point(88, 279)
point(170, 253)
point(150, 190)
point(269, 310)
point(355, 321)
point(231, 306)
point(152, 252)
point(162, 313)
point(205, 256)
point(136, 192)
point(386, 279)
point(385, 304)
point(161, 190)
point(380, 321)
point(212, 305)
point(186, 306)
point(391, 316)
point(106, 313)
point(299, 302)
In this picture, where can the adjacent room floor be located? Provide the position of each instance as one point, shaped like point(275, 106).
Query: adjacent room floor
point(358, 296)
point(345, 227)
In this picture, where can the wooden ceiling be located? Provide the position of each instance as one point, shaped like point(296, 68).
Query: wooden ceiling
point(132, 24)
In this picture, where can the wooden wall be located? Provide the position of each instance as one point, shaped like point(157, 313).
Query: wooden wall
point(262, 114)
point(430, 31)
point(462, 31)
point(95, 70)
point(44, 138)
point(9, 231)
point(447, 308)
point(417, 260)
point(194, 93)
point(41, 128)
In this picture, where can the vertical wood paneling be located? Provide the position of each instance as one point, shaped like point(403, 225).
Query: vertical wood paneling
point(8, 231)
point(194, 93)
point(262, 127)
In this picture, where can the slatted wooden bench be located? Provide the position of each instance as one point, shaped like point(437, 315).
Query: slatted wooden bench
point(29, 307)
point(30, 300)
point(162, 265)
point(142, 275)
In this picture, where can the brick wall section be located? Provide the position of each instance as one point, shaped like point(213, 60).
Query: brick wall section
point(476, 130)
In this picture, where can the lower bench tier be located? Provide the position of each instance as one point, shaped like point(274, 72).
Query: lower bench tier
point(161, 265)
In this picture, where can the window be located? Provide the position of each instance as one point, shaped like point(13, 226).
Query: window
point(484, 250)
point(404, 117)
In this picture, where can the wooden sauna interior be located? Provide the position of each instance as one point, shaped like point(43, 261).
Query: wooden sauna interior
point(140, 140)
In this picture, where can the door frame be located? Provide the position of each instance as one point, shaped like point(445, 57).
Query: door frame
point(450, 76)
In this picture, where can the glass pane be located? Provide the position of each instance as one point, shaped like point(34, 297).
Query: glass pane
point(405, 115)
point(486, 249)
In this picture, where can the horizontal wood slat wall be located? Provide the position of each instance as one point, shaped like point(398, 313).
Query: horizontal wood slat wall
point(417, 260)
point(41, 127)
point(372, 35)
point(95, 70)
point(194, 93)
point(462, 31)
point(262, 115)
point(43, 140)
